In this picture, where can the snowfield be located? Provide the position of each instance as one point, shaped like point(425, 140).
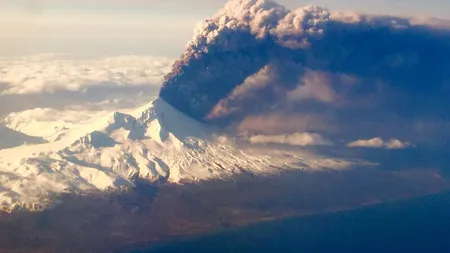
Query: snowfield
point(155, 142)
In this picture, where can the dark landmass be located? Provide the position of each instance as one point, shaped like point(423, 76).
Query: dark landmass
point(151, 214)
point(413, 226)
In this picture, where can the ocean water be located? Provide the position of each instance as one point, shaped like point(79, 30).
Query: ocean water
point(421, 225)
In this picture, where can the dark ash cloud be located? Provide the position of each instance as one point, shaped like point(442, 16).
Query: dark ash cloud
point(366, 75)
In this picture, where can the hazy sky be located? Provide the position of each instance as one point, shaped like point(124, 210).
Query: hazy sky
point(157, 27)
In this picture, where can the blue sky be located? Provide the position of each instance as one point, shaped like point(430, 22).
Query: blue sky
point(157, 27)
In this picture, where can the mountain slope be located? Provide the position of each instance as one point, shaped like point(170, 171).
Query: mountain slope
point(154, 143)
point(49, 123)
point(10, 138)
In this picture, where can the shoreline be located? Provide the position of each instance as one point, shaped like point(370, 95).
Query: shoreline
point(167, 213)
point(281, 218)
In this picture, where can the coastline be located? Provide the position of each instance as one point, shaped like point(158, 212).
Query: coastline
point(200, 242)
point(153, 215)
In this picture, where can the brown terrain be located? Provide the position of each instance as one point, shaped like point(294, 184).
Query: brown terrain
point(152, 214)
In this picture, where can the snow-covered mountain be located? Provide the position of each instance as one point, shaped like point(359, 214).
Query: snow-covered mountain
point(50, 124)
point(10, 138)
point(155, 142)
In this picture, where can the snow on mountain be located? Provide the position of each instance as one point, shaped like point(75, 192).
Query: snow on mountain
point(155, 142)
point(10, 138)
point(49, 124)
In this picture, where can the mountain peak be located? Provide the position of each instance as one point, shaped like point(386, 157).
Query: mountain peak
point(155, 142)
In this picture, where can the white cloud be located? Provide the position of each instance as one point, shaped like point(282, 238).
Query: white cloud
point(296, 139)
point(372, 143)
point(379, 143)
point(396, 144)
point(44, 84)
point(51, 73)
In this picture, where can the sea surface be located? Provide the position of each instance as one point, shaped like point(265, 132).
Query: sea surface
point(420, 225)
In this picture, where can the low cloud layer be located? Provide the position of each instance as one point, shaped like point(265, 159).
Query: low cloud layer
point(65, 82)
point(348, 73)
point(52, 73)
point(379, 143)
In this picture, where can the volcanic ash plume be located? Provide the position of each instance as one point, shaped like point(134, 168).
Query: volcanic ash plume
point(255, 57)
point(236, 43)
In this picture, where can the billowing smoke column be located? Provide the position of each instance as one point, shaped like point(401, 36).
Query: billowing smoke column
point(255, 58)
point(236, 43)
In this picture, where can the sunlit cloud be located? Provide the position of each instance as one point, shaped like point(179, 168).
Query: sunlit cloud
point(51, 73)
point(379, 143)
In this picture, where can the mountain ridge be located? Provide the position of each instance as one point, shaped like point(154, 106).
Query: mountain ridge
point(154, 142)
